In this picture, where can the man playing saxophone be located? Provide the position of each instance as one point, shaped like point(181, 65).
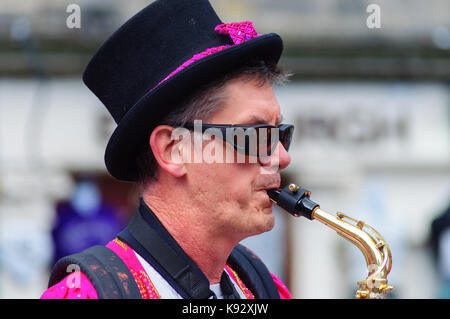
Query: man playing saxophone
point(172, 66)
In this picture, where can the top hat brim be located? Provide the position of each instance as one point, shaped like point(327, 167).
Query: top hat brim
point(134, 129)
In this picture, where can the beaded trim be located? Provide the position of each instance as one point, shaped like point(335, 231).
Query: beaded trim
point(145, 285)
point(121, 244)
point(248, 294)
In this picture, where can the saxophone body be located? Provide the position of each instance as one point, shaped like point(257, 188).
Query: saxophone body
point(295, 200)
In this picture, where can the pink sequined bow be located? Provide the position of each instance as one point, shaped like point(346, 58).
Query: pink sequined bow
point(239, 33)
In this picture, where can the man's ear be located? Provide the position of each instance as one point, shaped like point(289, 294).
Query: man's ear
point(167, 151)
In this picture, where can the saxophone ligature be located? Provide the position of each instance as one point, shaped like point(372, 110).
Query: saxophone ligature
point(296, 201)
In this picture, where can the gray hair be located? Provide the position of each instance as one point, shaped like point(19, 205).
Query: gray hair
point(203, 104)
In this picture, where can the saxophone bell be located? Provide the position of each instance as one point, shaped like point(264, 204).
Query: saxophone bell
point(295, 200)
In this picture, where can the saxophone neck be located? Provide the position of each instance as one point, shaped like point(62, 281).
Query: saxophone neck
point(353, 233)
point(371, 244)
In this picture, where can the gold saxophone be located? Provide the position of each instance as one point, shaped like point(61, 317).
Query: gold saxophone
point(295, 200)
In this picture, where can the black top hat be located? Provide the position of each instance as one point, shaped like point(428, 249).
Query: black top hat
point(129, 72)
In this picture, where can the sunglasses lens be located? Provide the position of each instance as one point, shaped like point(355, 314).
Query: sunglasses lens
point(245, 140)
point(260, 141)
point(254, 141)
point(286, 136)
point(268, 138)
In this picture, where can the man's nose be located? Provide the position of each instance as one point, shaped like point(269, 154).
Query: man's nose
point(283, 157)
point(279, 159)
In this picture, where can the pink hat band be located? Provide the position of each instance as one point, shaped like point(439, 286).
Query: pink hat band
point(239, 33)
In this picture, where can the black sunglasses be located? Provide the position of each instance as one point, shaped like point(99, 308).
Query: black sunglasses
point(256, 140)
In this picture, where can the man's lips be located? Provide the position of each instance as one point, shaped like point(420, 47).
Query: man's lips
point(277, 186)
point(268, 202)
point(269, 182)
point(266, 188)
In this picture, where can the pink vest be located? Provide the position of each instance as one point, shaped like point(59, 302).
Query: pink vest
point(77, 285)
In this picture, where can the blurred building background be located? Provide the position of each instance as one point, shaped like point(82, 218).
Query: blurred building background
point(372, 113)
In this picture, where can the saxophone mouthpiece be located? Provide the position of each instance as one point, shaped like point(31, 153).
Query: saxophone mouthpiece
point(274, 194)
point(294, 199)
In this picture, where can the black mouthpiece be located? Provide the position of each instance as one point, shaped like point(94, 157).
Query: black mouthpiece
point(294, 199)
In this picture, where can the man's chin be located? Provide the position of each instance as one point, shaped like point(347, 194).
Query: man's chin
point(267, 223)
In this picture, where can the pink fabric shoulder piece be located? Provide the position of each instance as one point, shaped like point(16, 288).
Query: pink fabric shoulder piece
point(78, 286)
point(282, 289)
point(74, 286)
point(145, 285)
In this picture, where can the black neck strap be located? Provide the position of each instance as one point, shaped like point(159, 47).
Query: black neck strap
point(152, 243)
